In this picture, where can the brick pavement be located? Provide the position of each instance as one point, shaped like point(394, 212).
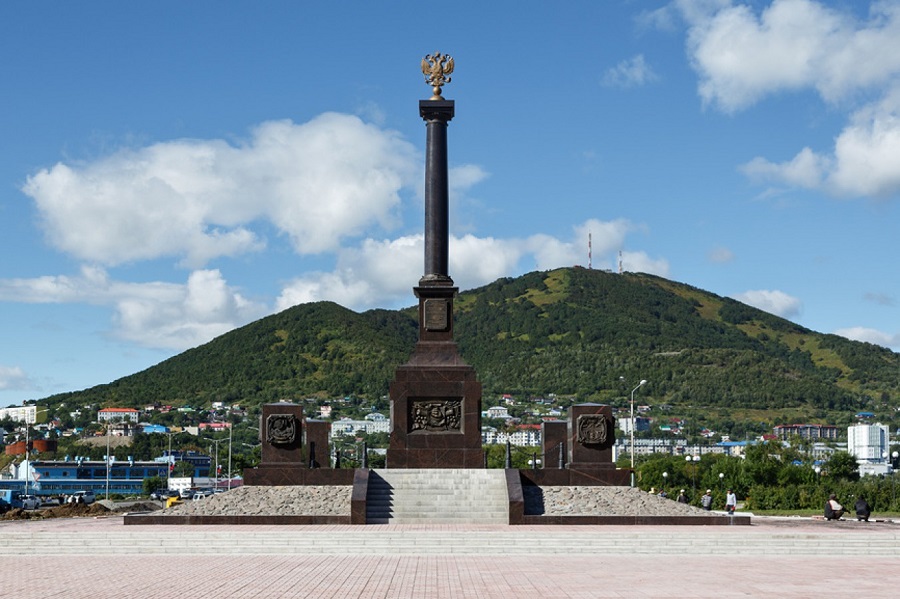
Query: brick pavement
point(630, 569)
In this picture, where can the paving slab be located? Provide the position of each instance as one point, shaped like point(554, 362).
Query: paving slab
point(772, 557)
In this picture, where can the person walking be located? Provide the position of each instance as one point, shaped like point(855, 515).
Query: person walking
point(682, 498)
point(730, 502)
point(706, 500)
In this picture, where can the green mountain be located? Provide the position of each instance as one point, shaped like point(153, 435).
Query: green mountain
point(583, 334)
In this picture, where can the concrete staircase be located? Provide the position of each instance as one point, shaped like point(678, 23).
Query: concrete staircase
point(437, 496)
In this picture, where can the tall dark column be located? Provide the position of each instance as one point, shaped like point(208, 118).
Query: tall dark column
point(436, 396)
point(437, 114)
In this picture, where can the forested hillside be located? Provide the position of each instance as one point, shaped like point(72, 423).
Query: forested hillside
point(574, 332)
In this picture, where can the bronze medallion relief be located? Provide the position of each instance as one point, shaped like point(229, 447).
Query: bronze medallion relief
point(593, 429)
point(281, 429)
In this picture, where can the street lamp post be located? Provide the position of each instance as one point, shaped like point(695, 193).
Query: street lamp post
point(639, 385)
point(894, 456)
point(28, 468)
point(694, 459)
point(665, 481)
point(230, 430)
point(216, 441)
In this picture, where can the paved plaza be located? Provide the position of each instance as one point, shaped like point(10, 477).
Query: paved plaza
point(101, 558)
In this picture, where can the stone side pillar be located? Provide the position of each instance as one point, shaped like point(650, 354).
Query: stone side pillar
point(590, 438)
point(552, 435)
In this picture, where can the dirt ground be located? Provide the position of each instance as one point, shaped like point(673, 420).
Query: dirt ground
point(74, 510)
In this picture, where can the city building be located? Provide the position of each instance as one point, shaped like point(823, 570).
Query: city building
point(372, 423)
point(525, 435)
point(26, 414)
point(121, 477)
point(496, 412)
point(870, 445)
point(806, 431)
point(641, 423)
point(118, 415)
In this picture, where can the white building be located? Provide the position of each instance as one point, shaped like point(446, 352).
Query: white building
point(118, 415)
point(868, 442)
point(373, 423)
point(497, 412)
point(524, 436)
point(26, 414)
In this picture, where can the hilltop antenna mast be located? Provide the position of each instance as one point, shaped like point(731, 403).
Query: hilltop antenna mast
point(590, 264)
point(620, 261)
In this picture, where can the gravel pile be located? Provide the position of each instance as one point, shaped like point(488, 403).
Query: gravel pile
point(335, 501)
point(602, 501)
point(270, 501)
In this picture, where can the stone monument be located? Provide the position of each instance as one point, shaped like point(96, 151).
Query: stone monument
point(436, 397)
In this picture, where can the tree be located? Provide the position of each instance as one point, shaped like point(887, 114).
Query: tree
point(842, 466)
point(152, 483)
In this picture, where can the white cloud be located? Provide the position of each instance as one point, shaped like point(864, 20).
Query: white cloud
point(865, 160)
point(318, 182)
point(382, 273)
point(14, 378)
point(742, 57)
point(870, 336)
point(632, 72)
point(155, 314)
point(720, 255)
point(774, 302)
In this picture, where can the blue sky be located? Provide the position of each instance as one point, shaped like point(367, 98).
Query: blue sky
point(172, 170)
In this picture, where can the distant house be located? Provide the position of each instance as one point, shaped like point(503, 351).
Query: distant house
point(153, 428)
point(214, 426)
point(118, 415)
point(498, 412)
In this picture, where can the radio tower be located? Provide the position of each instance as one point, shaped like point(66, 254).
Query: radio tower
point(589, 251)
point(620, 261)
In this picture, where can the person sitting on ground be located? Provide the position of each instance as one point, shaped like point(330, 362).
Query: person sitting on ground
point(863, 511)
point(833, 509)
point(706, 500)
point(682, 498)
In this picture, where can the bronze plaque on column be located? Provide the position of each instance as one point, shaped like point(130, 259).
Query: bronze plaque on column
point(437, 314)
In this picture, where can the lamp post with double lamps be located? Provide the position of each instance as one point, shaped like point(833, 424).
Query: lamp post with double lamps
point(639, 385)
point(694, 459)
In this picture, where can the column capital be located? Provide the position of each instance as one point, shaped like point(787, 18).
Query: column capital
point(437, 109)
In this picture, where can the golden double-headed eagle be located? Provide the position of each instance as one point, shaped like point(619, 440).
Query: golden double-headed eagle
point(437, 68)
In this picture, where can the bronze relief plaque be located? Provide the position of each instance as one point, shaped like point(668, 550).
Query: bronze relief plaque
point(435, 415)
point(593, 429)
point(281, 429)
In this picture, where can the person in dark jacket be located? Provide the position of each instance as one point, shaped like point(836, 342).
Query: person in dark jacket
point(862, 509)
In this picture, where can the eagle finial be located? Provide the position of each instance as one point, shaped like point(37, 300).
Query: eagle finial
point(437, 68)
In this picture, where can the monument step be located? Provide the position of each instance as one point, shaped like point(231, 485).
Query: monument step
point(423, 496)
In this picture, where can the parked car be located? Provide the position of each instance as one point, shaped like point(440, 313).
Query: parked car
point(85, 497)
point(29, 502)
point(202, 494)
point(163, 494)
point(185, 493)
